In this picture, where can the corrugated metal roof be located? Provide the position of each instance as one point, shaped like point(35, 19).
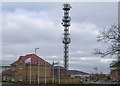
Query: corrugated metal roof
point(71, 72)
point(57, 67)
point(76, 72)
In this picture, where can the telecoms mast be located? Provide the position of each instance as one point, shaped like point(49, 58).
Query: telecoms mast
point(66, 40)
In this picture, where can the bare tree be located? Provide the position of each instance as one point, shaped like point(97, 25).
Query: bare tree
point(112, 37)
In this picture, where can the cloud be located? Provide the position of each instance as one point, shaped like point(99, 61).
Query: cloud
point(22, 25)
point(24, 30)
point(95, 12)
point(89, 63)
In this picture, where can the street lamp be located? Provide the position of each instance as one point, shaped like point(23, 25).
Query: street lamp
point(36, 50)
point(37, 64)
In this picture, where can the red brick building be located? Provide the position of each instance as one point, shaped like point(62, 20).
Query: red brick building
point(115, 71)
point(37, 70)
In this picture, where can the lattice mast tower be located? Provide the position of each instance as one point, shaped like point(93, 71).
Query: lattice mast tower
point(66, 40)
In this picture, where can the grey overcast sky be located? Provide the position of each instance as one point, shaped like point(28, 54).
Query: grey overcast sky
point(29, 25)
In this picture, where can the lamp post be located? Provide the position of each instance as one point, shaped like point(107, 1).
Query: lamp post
point(45, 72)
point(59, 72)
point(36, 50)
point(95, 68)
point(37, 64)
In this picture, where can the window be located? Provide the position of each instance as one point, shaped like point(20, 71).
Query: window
point(13, 68)
point(20, 77)
point(21, 66)
point(21, 72)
